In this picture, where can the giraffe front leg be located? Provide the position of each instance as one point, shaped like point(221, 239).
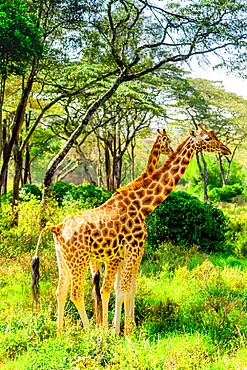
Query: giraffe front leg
point(133, 290)
point(132, 301)
point(127, 286)
point(111, 269)
point(118, 308)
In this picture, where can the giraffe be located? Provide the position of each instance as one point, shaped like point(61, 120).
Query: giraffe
point(116, 231)
point(162, 144)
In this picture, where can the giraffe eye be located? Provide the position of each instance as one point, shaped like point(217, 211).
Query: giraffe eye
point(208, 138)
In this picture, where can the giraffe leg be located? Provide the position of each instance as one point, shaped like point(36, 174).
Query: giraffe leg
point(116, 286)
point(62, 288)
point(123, 293)
point(133, 292)
point(77, 291)
point(132, 301)
point(111, 269)
point(126, 292)
point(118, 308)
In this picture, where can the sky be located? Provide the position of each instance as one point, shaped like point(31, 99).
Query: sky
point(230, 82)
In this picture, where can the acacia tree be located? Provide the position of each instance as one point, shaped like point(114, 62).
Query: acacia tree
point(20, 41)
point(132, 39)
point(46, 23)
point(123, 117)
point(199, 100)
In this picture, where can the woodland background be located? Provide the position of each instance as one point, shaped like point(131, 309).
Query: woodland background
point(83, 84)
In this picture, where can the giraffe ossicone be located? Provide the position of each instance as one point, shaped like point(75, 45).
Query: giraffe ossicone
point(116, 231)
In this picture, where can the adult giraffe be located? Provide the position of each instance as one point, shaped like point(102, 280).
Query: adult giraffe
point(116, 230)
point(162, 145)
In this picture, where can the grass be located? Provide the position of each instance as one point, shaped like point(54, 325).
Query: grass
point(190, 312)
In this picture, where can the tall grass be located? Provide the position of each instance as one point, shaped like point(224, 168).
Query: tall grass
point(190, 309)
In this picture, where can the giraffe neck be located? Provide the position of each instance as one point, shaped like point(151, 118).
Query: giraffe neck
point(152, 163)
point(153, 160)
point(155, 189)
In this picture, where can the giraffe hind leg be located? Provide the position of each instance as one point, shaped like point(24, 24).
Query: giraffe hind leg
point(77, 292)
point(111, 268)
point(62, 288)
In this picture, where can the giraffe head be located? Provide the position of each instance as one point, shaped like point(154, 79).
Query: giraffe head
point(208, 142)
point(165, 142)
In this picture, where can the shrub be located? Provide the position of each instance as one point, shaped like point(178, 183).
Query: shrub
point(59, 190)
point(226, 193)
point(28, 191)
point(184, 220)
point(89, 195)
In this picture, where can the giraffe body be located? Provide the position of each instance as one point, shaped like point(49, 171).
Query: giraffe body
point(115, 232)
point(162, 145)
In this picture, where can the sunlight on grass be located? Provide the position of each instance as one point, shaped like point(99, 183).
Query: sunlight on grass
point(190, 312)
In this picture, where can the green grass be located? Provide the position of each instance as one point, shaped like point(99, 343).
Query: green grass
point(190, 312)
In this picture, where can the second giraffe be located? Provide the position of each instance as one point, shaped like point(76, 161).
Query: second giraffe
point(116, 231)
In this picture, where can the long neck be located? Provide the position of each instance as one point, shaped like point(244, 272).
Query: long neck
point(152, 163)
point(153, 159)
point(155, 189)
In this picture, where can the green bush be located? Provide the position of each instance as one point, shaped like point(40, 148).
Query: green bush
point(226, 193)
point(59, 189)
point(28, 191)
point(184, 220)
point(89, 195)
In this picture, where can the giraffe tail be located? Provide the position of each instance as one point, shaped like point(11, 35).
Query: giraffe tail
point(35, 268)
point(97, 297)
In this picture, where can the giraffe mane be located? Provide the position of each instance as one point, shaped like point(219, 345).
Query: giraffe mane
point(136, 185)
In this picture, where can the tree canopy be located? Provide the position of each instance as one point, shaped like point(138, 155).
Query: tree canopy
point(93, 48)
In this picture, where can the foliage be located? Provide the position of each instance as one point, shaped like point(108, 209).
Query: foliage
point(214, 180)
point(237, 234)
point(20, 37)
point(88, 196)
point(28, 191)
point(226, 193)
point(59, 189)
point(218, 296)
point(184, 220)
point(23, 237)
point(190, 307)
point(190, 318)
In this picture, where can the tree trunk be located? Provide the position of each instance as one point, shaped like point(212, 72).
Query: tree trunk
point(27, 167)
point(2, 91)
point(203, 173)
point(5, 184)
point(16, 184)
point(17, 124)
point(68, 145)
point(222, 171)
point(132, 161)
point(3, 188)
point(108, 168)
point(117, 171)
